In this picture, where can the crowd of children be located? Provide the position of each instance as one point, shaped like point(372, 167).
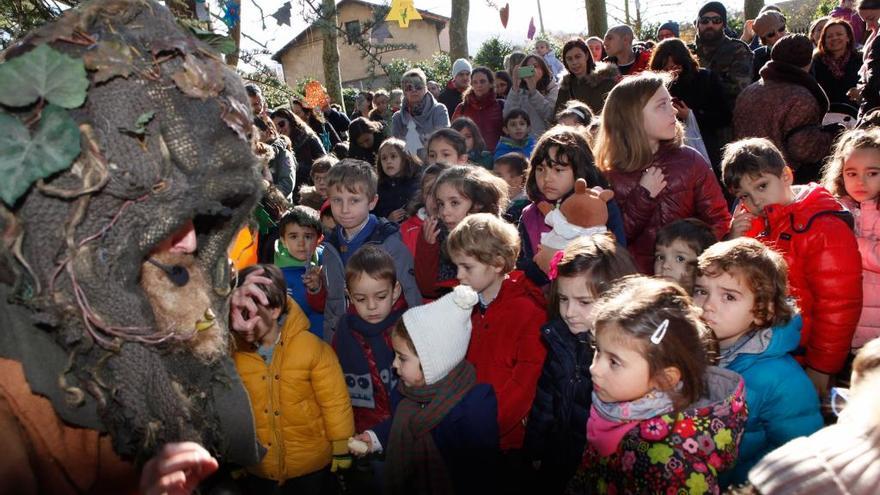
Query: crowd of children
point(670, 352)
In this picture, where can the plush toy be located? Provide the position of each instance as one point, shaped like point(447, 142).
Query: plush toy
point(583, 213)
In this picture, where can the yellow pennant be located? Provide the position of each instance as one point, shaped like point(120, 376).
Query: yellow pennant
point(403, 11)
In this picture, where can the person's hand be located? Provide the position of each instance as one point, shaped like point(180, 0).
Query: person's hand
point(340, 462)
point(653, 180)
point(430, 230)
point(514, 77)
point(681, 109)
point(532, 83)
point(748, 31)
point(740, 223)
point(367, 439)
point(820, 380)
point(397, 216)
point(244, 310)
point(313, 279)
point(854, 94)
point(177, 469)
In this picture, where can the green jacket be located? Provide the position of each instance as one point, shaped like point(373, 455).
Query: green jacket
point(732, 60)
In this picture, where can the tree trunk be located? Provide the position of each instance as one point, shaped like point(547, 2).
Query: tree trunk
point(751, 8)
point(235, 34)
point(330, 54)
point(458, 24)
point(597, 18)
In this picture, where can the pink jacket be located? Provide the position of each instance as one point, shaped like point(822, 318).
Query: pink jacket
point(867, 229)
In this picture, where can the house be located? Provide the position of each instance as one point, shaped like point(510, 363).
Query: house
point(301, 57)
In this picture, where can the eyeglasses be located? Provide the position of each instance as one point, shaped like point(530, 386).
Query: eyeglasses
point(774, 33)
point(715, 19)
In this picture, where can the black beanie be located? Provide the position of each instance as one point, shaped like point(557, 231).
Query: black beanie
point(794, 49)
point(714, 7)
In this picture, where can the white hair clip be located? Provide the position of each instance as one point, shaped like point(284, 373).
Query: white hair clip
point(658, 334)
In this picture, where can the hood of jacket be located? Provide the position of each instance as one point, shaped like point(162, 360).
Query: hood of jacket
point(768, 343)
point(811, 201)
point(601, 73)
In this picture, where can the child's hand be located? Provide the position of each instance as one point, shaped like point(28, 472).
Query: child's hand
point(397, 216)
point(313, 279)
point(430, 230)
point(356, 449)
point(178, 468)
point(653, 180)
point(681, 109)
point(244, 308)
point(740, 223)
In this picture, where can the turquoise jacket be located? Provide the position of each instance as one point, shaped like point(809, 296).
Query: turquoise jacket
point(782, 401)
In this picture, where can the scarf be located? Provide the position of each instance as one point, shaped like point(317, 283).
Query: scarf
point(778, 71)
point(480, 102)
point(837, 66)
point(610, 421)
point(414, 463)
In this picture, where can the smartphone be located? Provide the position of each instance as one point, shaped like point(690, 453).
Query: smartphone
point(525, 71)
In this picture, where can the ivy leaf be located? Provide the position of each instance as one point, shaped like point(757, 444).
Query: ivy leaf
point(25, 158)
point(199, 79)
point(43, 73)
point(140, 125)
point(223, 44)
point(110, 59)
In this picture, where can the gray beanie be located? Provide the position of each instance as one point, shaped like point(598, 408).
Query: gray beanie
point(461, 65)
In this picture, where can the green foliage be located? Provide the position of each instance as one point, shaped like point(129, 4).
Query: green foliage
point(349, 95)
point(648, 30)
point(276, 92)
point(491, 53)
point(25, 158)
point(43, 73)
point(437, 68)
point(825, 7)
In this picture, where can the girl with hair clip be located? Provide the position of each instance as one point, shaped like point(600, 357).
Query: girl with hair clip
point(398, 179)
point(662, 419)
point(458, 192)
point(655, 178)
point(476, 147)
point(556, 431)
point(480, 104)
point(535, 94)
point(587, 81)
point(561, 157)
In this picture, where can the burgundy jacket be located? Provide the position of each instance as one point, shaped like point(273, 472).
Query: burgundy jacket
point(691, 191)
point(486, 112)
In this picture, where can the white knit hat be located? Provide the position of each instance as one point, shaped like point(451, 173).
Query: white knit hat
point(441, 331)
point(461, 65)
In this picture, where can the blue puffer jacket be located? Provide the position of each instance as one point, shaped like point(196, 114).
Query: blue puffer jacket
point(782, 401)
point(556, 431)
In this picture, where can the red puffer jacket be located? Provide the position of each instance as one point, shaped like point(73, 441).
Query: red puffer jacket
point(691, 191)
point(508, 353)
point(814, 234)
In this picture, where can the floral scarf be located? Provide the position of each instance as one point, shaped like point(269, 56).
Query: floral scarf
point(837, 66)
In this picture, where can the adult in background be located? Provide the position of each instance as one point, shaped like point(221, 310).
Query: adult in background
point(846, 12)
point(536, 95)
point(281, 165)
point(597, 48)
point(315, 119)
point(306, 145)
point(420, 114)
point(340, 122)
point(769, 27)
point(255, 97)
point(787, 106)
point(816, 28)
point(450, 97)
point(433, 88)
point(696, 90)
point(668, 29)
point(482, 106)
point(869, 74)
point(731, 59)
point(629, 59)
point(363, 105)
point(836, 62)
point(587, 81)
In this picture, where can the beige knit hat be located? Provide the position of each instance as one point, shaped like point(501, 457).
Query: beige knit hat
point(441, 331)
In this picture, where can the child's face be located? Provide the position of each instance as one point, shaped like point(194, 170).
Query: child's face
point(468, 138)
point(320, 181)
point(575, 303)
point(479, 276)
point(300, 241)
point(595, 50)
point(569, 120)
point(381, 103)
point(366, 140)
point(542, 48)
point(389, 157)
point(517, 128)
point(509, 174)
point(441, 150)
point(659, 118)
point(728, 306)
point(350, 209)
point(555, 177)
point(500, 86)
point(620, 372)
point(373, 298)
point(406, 363)
point(676, 262)
point(428, 195)
point(764, 190)
point(861, 174)
point(452, 206)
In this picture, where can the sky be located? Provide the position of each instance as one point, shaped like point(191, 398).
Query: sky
point(560, 16)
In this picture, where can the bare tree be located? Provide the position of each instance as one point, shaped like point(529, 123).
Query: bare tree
point(597, 18)
point(458, 24)
point(330, 54)
point(751, 8)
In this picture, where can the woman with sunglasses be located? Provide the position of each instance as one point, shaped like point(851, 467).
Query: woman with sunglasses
point(420, 114)
point(306, 144)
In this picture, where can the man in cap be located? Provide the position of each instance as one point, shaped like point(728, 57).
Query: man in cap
point(731, 59)
point(450, 97)
point(769, 27)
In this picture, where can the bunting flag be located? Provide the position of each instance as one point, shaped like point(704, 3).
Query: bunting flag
point(531, 33)
point(403, 11)
point(505, 14)
point(282, 15)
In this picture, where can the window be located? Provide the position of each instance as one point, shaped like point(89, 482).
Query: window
point(352, 30)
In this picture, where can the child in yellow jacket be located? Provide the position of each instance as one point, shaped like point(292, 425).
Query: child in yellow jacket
point(297, 390)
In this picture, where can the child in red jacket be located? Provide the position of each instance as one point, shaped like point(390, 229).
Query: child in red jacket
point(813, 232)
point(506, 346)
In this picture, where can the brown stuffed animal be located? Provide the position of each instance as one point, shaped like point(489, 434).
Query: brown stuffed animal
point(583, 213)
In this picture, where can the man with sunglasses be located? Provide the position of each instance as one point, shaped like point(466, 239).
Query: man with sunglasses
point(730, 58)
point(769, 27)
